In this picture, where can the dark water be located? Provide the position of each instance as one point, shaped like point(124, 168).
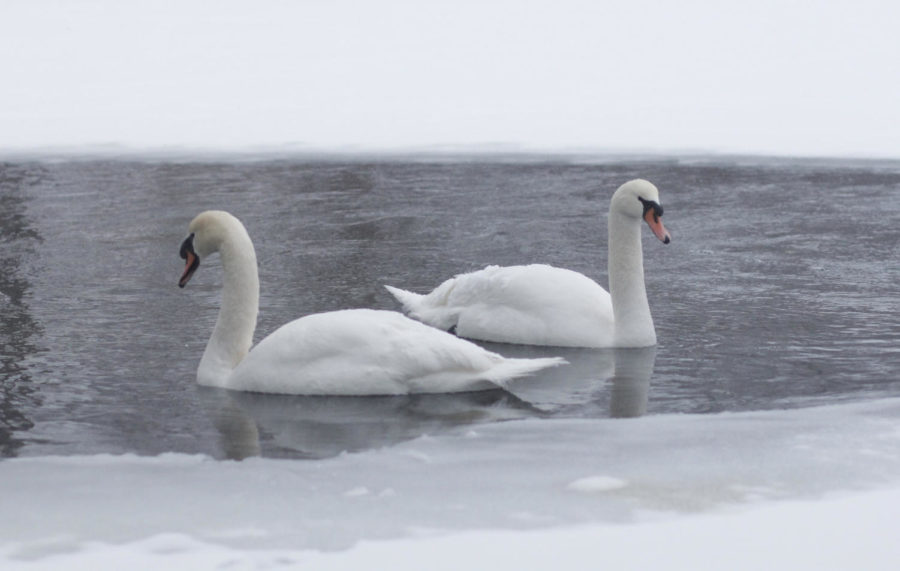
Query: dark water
point(779, 290)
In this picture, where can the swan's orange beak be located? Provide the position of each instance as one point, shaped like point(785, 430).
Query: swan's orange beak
point(653, 220)
point(190, 266)
point(191, 260)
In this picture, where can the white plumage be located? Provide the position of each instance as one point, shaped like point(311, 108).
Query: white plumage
point(533, 305)
point(543, 305)
point(350, 352)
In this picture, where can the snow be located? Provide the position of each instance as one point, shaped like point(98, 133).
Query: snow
point(814, 488)
point(849, 532)
point(766, 77)
point(593, 484)
point(853, 532)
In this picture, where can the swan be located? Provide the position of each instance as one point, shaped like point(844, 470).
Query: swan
point(348, 352)
point(543, 305)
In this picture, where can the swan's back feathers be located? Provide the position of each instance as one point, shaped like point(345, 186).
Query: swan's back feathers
point(365, 352)
point(535, 304)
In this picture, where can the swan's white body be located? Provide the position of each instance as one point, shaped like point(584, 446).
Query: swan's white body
point(350, 352)
point(532, 305)
point(544, 305)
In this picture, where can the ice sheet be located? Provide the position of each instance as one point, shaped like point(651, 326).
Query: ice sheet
point(560, 480)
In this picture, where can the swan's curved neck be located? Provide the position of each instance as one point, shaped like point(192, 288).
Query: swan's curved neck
point(232, 335)
point(631, 310)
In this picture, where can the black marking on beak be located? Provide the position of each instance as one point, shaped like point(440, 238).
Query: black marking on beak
point(192, 260)
point(187, 246)
point(648, 204)
point(652, 213)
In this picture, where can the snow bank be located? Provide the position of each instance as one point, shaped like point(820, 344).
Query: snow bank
point(851, 532)
point(790, 489)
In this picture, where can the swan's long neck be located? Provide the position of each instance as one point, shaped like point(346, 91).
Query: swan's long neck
point(232, 335)
point(633, 323)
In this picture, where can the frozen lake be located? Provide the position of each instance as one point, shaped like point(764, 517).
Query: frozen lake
point(775, 377)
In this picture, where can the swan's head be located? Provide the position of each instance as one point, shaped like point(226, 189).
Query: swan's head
point(207, 232)
point(640, 199)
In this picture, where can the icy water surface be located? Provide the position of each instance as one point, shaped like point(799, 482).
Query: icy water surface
point(779, 290)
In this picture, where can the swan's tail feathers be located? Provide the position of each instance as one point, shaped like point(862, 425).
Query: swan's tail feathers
point(431, 309)
point(409, 300)
point(510, 369)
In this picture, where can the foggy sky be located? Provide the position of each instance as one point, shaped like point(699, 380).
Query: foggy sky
point(780, 77)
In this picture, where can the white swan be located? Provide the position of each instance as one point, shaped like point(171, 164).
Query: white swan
point(350, 352)
point(544, 305)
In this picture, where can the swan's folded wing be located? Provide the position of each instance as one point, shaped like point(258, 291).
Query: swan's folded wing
point(368, 352)
point(535, 304)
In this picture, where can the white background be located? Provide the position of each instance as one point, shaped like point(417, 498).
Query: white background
point(773, 76)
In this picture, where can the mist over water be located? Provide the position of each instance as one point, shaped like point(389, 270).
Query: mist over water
point(777, 291)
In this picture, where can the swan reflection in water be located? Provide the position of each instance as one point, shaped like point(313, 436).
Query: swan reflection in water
point(252, 424)
point(593, 376)
point(597, 383)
